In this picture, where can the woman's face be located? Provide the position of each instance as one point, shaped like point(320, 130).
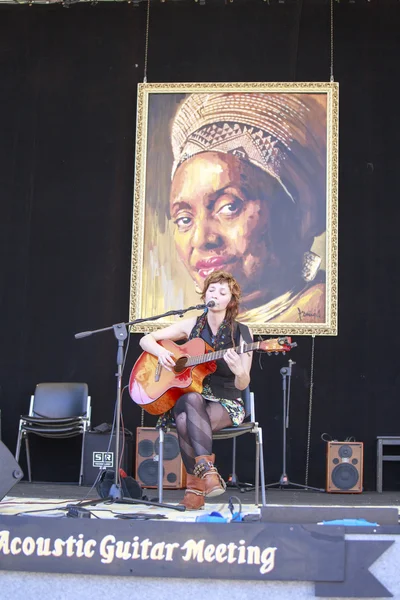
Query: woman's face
point(220, 210)
point(220, 293)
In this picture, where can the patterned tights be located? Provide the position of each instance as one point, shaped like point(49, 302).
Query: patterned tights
point(196, 419)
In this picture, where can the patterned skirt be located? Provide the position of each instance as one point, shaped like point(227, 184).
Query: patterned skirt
point(235, 407)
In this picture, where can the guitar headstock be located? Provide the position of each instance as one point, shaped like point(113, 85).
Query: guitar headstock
point(280, 344)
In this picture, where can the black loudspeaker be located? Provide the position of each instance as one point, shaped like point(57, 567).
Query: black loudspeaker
point(99, 454)
point(147, 449)
point(10, 471)
point(344, 467)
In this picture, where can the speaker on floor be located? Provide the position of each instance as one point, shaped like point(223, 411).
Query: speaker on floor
point(147, 450)
point(99, 454)
point(344, 467)
point(10, 471)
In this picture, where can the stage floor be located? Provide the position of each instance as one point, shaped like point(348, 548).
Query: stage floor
point(50, 499)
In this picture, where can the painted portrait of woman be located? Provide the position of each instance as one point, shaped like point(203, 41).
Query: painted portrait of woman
point(236, 181)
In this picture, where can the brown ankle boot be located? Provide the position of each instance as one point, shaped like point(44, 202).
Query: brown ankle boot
point(194, 495)
point(214, 485)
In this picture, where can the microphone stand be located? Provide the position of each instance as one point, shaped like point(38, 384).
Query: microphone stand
point(121, 333)
point(284, 480)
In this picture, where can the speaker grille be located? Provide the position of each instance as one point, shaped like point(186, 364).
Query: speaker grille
point(171, 477)
point(145, 448)
point(148, 472)
point(345, 451)
point(345, 476)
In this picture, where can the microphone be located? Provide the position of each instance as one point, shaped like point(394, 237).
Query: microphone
point(209, 304)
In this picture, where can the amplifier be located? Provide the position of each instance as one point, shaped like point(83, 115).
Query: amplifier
point(99, 454)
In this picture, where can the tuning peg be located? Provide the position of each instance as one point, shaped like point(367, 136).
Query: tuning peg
point(284, 353)
point(276, 353)
point(269, 353)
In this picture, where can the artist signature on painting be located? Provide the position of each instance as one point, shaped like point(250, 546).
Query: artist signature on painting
point(304, 314)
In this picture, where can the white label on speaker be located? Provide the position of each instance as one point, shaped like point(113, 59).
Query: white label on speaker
point(103, 459)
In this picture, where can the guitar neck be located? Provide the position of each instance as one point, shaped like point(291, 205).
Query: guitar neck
point(203, 358)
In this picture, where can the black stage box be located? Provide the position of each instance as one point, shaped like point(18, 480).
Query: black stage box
point(100, 454)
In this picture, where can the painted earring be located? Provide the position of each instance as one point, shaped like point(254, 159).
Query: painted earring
point(311, 264)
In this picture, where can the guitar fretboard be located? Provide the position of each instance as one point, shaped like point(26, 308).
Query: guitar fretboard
point(203, 358)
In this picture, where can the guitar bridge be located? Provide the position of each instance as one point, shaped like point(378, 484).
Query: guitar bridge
point(158, 372)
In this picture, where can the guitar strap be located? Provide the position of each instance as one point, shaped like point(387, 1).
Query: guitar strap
point(206, 335)
point(245, 333)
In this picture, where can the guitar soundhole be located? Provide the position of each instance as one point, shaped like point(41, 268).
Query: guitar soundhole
point(180, 364)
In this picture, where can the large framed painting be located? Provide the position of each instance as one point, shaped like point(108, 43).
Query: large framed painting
point(240, 177)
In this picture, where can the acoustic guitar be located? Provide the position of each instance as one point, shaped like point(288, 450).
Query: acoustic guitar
point(156, 389)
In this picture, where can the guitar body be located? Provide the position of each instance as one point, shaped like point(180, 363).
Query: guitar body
point(157, 397)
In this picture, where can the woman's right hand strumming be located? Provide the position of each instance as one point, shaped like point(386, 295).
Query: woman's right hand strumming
point(177, 331)
point(165, 358)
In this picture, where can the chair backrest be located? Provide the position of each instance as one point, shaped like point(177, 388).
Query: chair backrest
point(60, 400)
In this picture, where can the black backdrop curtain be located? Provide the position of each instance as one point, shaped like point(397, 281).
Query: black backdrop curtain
point(68, 82)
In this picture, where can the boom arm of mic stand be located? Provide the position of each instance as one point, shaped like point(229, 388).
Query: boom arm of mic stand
point(179, 312)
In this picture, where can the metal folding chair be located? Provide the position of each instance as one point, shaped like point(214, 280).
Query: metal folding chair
point(57, 410)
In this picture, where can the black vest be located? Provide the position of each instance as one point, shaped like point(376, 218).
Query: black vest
point(222, 381)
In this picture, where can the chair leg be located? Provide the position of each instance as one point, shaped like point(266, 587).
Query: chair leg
point(262, 473)
point(379, 467)
point(160, 465)
point(257, 473)
point(234, 476)
point(18, 448)
point(28, 457)
point(82, 458)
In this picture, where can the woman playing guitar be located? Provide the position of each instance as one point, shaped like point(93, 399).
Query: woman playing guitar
point(220, 405)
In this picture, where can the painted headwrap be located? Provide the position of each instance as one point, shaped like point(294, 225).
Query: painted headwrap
point(284, 134)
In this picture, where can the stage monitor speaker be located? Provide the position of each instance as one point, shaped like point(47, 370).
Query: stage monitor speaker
point(10, 471)
point(344, 467)
point(147, 449)
point(99, 454)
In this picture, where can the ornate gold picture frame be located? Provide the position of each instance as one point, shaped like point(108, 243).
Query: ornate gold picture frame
point(241, 177)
